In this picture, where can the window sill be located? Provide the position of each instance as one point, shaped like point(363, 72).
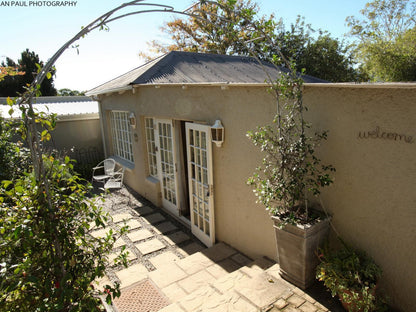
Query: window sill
point(122, 162)
point(152, 180)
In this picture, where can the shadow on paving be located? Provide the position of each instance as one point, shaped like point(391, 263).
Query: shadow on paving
point(126, 199)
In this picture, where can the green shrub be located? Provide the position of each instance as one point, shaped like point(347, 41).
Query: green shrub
point(14, 158)
point(49, 261)
point(352, 275)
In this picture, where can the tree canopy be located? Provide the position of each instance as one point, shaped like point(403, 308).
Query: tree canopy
point(13, 85)
point(386, 39)
point(234, 27)
point(69, 92)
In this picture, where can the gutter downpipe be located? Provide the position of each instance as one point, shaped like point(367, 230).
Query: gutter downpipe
point(101, 116)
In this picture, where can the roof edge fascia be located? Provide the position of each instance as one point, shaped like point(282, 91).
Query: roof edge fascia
point(76, 117)
point(125, 88)
point(204, 84)
point(385, 85)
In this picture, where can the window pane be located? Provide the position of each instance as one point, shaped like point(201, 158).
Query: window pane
point(121, 135)
point(151, 146)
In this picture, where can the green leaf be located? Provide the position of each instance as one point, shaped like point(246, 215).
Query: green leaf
point(6, 183)
point(10, 101)
point(49, 75)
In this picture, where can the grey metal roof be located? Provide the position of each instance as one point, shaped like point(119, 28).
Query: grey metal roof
point(195, 68)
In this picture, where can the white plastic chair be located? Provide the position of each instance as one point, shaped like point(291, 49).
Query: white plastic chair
point(105, 170)
point(116, 181)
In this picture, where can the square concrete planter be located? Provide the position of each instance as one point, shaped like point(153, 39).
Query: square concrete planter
point(297, 247)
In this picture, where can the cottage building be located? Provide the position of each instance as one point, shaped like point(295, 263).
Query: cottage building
point(157, 121)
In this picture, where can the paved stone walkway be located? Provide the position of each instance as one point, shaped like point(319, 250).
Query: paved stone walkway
point(188, 275)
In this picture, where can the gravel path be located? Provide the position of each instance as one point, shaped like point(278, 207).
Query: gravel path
point(151, 234)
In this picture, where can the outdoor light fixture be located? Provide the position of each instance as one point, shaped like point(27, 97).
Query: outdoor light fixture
point(217, 133)
point(132, 119)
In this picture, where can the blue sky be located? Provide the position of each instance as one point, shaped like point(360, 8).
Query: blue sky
point(105, 55)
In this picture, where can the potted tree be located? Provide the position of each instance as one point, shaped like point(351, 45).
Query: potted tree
point(352, 275)
point(289, 176)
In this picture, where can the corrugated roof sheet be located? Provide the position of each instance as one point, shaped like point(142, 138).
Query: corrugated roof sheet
point(64, 107)
point(195, 68)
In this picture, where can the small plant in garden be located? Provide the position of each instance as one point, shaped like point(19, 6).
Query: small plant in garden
point(290, 170)
point(352, 275)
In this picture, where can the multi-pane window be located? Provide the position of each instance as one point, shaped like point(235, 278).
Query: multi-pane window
point(151, 146)
point(167, 162)
point(120, 131)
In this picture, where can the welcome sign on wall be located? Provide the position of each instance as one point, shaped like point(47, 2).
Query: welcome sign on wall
point(378, 133)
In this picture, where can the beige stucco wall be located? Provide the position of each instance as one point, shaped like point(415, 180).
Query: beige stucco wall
point(372, 200)
point(78, 133)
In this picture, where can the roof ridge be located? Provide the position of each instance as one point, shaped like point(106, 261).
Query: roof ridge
point(130, 71)
point(213, 54)
point(183, 67)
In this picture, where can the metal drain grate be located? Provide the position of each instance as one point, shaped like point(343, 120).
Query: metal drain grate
point(143, 297)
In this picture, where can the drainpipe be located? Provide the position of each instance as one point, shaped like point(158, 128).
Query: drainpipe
point(102, 119)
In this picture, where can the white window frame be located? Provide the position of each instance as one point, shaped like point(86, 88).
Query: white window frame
point(121, 135)
point(149, 125)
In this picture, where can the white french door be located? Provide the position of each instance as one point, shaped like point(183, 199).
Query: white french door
point(166, 161)
point(201, 196)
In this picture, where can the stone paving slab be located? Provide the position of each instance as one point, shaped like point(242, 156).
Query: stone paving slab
point(262, 290)
point(176, 238)
point(101, 233)
point(139, 235)
point(154, 218)
point(133, 224)
point(296, 301)
point(190, 249)
point(169, 274)
point(174, 292)
point(132, 274)
point(150, 246)
point(195, 300)
point(165, 227)
point(222, 268)
point(229, 281)
point(119, 243)
point(195, 263)
point(302, 294)
point(280, 304)
point(121, 217)
point(308, 307)
point(164, 258)
point(230, 302)
point(172, 308)
point(145, 210)
point(113, 256)
point(93, 226)
point(219, 252)
point(195, 281)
